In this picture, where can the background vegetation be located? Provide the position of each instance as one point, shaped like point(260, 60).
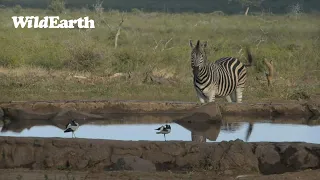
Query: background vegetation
point(204, 6)
point(152, 60)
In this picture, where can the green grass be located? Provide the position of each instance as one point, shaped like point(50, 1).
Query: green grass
point(39, 64)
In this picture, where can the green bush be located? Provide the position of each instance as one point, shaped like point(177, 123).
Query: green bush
point(17, 9)
point(57, 6)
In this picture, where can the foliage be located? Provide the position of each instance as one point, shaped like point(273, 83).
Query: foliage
point(17, 9)
point(57, 6)
point(176, 6)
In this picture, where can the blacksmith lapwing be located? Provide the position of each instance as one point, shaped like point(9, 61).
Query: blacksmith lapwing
point(72, 127)
point(164, 130)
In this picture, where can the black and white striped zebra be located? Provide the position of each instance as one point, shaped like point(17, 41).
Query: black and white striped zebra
point(226, 77)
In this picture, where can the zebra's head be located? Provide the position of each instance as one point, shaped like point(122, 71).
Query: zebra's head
point(198, 54)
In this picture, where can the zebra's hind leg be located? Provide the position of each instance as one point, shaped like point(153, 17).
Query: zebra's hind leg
point(228, 98)
point(239, 91)
point(234, 96)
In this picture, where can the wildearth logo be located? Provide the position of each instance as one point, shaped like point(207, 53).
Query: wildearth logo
point(51, 22)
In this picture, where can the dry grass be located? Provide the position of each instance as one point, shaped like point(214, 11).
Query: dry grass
point(46, 64)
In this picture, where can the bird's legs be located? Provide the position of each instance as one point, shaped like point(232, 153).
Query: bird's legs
point(164, 137)
point(73, 135)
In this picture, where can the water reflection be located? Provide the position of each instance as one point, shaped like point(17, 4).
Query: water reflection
point(200, 131)
point(18, 125)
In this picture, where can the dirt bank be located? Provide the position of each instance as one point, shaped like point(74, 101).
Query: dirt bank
point(102, 106)
point(234, 157)
point(58, 112)
point(309, 109)
point(7, 174)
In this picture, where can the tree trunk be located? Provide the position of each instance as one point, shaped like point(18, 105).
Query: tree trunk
point(246, 13)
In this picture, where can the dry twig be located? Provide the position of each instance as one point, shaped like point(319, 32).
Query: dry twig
point(166, 44)
point(270, 73)
point(118, 32)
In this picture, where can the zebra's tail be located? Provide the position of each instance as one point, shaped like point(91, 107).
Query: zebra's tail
point(250, 59)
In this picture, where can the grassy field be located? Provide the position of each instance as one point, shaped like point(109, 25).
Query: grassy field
point(53, 64)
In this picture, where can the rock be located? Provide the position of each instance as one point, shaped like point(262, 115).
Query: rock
point(23, 156)
point(204, 113)
point(236, 155)
point(132, 163)
point(281, 158)
point(204, 122)
point(189, 160)
point(158, 157)
point(297, 157)
point(212, 109)
point(269, 159)
point(314, 109)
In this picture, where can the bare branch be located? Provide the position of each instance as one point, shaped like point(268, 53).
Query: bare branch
point(259, 42)
point(270, 73)
point(166, 44)
point(239, 52)
point(118, 32)
point(157, 43)
point(264, 32)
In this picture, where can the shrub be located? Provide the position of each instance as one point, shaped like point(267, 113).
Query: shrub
point(57, 6)
point(17, 9)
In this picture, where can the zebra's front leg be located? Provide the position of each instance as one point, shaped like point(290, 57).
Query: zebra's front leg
point(212, 96)
point(239, 91)
point(201, 98)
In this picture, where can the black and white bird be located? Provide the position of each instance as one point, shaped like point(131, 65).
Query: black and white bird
point(72, 127)
point(164, 130)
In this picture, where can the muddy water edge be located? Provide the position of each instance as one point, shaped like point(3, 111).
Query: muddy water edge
point(230, 158)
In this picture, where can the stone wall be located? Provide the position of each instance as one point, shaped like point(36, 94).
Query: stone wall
point(109, 155)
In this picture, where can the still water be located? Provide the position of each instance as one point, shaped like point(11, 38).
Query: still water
point(260, 132)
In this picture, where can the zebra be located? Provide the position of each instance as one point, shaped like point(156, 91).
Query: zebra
point(226, 77)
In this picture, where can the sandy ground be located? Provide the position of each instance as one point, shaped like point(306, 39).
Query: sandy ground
point(21, 174)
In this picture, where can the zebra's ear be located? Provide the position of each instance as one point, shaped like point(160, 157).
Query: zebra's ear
point(190, 43)
point(204, 44)
point(198, 44)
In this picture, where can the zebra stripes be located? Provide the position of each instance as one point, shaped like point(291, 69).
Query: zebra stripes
point(226, 77)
